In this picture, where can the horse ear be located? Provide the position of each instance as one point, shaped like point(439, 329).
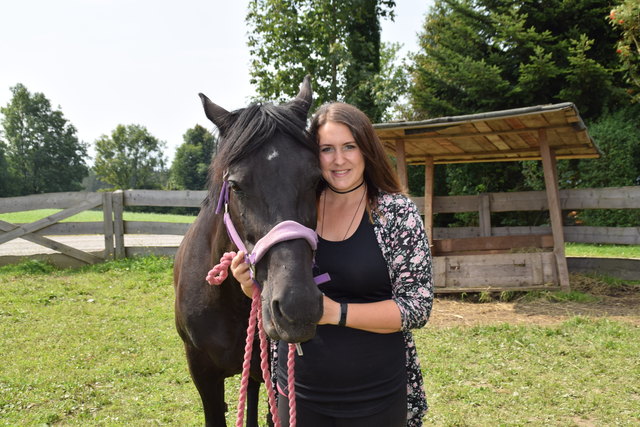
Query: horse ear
point(303, 101)
point(218, 115)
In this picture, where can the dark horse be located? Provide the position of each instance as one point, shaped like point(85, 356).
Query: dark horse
point(272, 168)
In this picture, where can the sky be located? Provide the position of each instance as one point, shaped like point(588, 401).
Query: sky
point(110, 62)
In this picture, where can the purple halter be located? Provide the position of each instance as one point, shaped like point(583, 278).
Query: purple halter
point(286, 230)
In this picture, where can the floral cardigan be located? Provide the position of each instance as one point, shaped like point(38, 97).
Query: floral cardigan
point(400, 234)
point(403, 241)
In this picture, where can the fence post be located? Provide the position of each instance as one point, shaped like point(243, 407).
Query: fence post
point(401, 164)
point(555, 213)
point(429, 173)
point(118, 223)
point(107, 214)
point(484, 214)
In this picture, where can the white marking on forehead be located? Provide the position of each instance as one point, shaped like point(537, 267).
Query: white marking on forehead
point(273, 154)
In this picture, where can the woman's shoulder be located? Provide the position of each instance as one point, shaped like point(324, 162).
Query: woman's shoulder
point(394, 202)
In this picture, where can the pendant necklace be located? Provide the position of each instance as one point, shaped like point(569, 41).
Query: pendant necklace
point(324, 205)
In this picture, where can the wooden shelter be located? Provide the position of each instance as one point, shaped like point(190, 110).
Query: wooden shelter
point(546, 133)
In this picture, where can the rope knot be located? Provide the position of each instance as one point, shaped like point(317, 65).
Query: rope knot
point(220, 271)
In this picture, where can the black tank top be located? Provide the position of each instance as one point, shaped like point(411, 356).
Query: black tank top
point(349, 372)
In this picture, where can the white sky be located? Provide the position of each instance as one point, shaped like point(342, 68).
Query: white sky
point(110, 62)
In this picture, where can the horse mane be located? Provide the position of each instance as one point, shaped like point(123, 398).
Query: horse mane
point(249, 128)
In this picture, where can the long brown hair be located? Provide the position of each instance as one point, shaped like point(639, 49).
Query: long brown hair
point(378, 172)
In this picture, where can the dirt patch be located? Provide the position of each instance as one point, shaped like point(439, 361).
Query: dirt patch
point(620, 302)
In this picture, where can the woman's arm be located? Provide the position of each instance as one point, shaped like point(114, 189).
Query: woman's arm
point(404, 245)
point(382, 317)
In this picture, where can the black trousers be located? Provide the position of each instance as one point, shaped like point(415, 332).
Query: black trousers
point(395, 415)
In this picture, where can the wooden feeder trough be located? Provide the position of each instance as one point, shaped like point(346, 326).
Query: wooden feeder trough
point(494, 263)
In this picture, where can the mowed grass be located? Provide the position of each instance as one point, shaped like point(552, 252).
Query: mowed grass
point(91, 216)
point(97, 346)
point(602, 250)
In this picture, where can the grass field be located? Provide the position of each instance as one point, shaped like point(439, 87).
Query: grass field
point(91, 216)
point(97, 346)
point(602, 251)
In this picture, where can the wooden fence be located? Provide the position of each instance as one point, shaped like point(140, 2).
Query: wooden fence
point(113, 227)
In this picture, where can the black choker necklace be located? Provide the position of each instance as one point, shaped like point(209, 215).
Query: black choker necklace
point(345, 192)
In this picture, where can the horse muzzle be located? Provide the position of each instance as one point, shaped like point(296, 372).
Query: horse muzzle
point(291, 301)
point(290, 327)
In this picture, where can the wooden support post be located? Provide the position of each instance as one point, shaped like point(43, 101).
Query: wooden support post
point(118, 224)
point(429, 174)
point(401, 164)
point(555, 212)
point(484, 215)
point(107, 214)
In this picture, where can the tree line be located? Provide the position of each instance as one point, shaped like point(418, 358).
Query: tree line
point(40, 153)
point(473, 56)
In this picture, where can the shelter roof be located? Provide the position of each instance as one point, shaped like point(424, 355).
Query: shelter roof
point(506, 135)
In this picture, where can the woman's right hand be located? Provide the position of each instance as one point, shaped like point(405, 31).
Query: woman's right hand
point(240, 271)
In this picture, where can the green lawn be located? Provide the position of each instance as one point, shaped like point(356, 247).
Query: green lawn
point(602, 251)
point(91, 216)
point(97, 346)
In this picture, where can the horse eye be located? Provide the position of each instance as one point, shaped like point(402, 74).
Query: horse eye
point(234, 186)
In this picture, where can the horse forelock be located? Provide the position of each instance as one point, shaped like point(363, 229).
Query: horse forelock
point(253, 127)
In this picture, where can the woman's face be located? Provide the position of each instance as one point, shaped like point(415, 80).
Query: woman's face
point(341, 160)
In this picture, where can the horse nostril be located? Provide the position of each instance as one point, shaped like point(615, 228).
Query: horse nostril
point(282, 312)
point(275, 309)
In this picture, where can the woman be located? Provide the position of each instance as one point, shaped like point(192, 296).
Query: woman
point(361, 368)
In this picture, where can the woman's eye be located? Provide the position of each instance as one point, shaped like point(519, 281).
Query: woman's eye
point(350, 147)
point(326, 149)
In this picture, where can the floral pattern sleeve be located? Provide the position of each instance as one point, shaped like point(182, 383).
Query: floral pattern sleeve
point(402, 239)
point(406, 249)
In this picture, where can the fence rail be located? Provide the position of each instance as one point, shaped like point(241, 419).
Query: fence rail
point(114, 227)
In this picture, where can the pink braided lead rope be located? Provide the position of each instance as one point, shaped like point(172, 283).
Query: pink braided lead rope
point(246, 364)
point(215, 277)
point(219, 272)
point(291, 364)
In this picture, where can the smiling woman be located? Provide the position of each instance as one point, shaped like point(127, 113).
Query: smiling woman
point(360, 369)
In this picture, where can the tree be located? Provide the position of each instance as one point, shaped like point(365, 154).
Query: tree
point(43, 153)
point(390, 85)
point(626, 18)
point(131, 158)
point(5, 177)
point(363, 45)
point(337, 42)
point(483, 55)
point(190, 166)
point(617, 135)
point(92, 183)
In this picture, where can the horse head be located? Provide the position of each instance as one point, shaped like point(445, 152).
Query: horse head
point(272, 169)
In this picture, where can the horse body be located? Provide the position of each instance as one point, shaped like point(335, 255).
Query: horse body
point(272, 169)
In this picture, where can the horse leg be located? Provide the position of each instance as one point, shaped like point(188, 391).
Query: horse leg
point(253, 390)
point(210, 384)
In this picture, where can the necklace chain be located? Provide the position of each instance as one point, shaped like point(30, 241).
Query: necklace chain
point(324, 205)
